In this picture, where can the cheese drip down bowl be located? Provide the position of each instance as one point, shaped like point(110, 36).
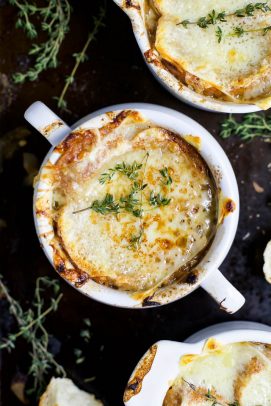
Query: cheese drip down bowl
point(214, 55)
point(136, 205)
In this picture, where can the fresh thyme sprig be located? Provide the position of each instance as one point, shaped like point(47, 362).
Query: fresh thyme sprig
point(251, 126)
point(209, 395)
point(214, 17)
point(98, 22)
point(239, 31)
point(32, 330)
point(55, 20)
point(203, 22)
point(131, 202)
point(129, 170)
point(105, 206)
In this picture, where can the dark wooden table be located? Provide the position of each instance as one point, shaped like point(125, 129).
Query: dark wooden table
point(114, 73)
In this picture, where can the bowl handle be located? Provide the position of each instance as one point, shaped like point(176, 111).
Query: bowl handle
point(53, 128)
point(223, 292)
point(148, 384)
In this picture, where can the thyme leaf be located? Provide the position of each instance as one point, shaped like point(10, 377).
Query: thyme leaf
point(219, 34)
point(238, 31)
point(135, 239)
point(158, 200)
point(167, 178)
point(251, 126)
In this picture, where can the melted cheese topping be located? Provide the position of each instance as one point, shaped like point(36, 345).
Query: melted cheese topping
point(238, 67)
point(172, 236)
point(238, 373)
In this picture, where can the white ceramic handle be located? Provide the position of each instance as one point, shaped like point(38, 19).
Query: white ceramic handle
point(53, 128)
point(223, 292)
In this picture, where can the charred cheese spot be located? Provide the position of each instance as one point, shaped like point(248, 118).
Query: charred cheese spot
point(233, 374)
point(172, 237)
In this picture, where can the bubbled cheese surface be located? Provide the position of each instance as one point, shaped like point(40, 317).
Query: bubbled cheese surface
point(172, 236)
point(237, 66)
point(235, 374)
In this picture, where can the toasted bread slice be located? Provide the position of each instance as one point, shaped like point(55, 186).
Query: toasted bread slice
point(267, 262)
point(63, 392)
point(238, 66)
point(195, 9)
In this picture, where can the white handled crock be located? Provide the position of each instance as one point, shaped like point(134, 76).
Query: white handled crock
point(163, 358)
point(135, 11)
point(210, 278)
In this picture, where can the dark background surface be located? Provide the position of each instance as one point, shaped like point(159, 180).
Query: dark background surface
point(114, 73)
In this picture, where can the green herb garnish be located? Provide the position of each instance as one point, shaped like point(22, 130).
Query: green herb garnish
point(135, 239)
point(105, 206)
point(158, 200)
point(251, 126)
point(215, 17)
point(129, 170)
point(167, 178)
point(219, 34)
point(131, 203)
point(238, 31)
point(31, 328)
point(54, 20)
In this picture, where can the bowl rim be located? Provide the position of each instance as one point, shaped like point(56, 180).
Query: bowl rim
point(171, 351)
point(96, 291)
point(168, 80)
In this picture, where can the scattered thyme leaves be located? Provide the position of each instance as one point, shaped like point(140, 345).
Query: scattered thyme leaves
point(54, 18)
point(158, 200)
point(215, 17)
point(219, 34)
point(167, 179)
point(238, 31)
point(129, 170)
point(31, 328)
point(251, 126)
point(105, 206)
point(251, 8)
point(135, 239)
point(131, 203)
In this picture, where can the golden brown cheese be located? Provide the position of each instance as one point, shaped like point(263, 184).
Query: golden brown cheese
point(234, 374)
point(161, 216)
point(229, 60)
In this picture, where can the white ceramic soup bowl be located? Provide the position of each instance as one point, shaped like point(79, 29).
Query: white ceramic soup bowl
point(162, 360)
point(135, 11)
point(210, 278)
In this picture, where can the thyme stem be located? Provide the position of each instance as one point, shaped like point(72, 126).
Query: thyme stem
point(81, 57)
